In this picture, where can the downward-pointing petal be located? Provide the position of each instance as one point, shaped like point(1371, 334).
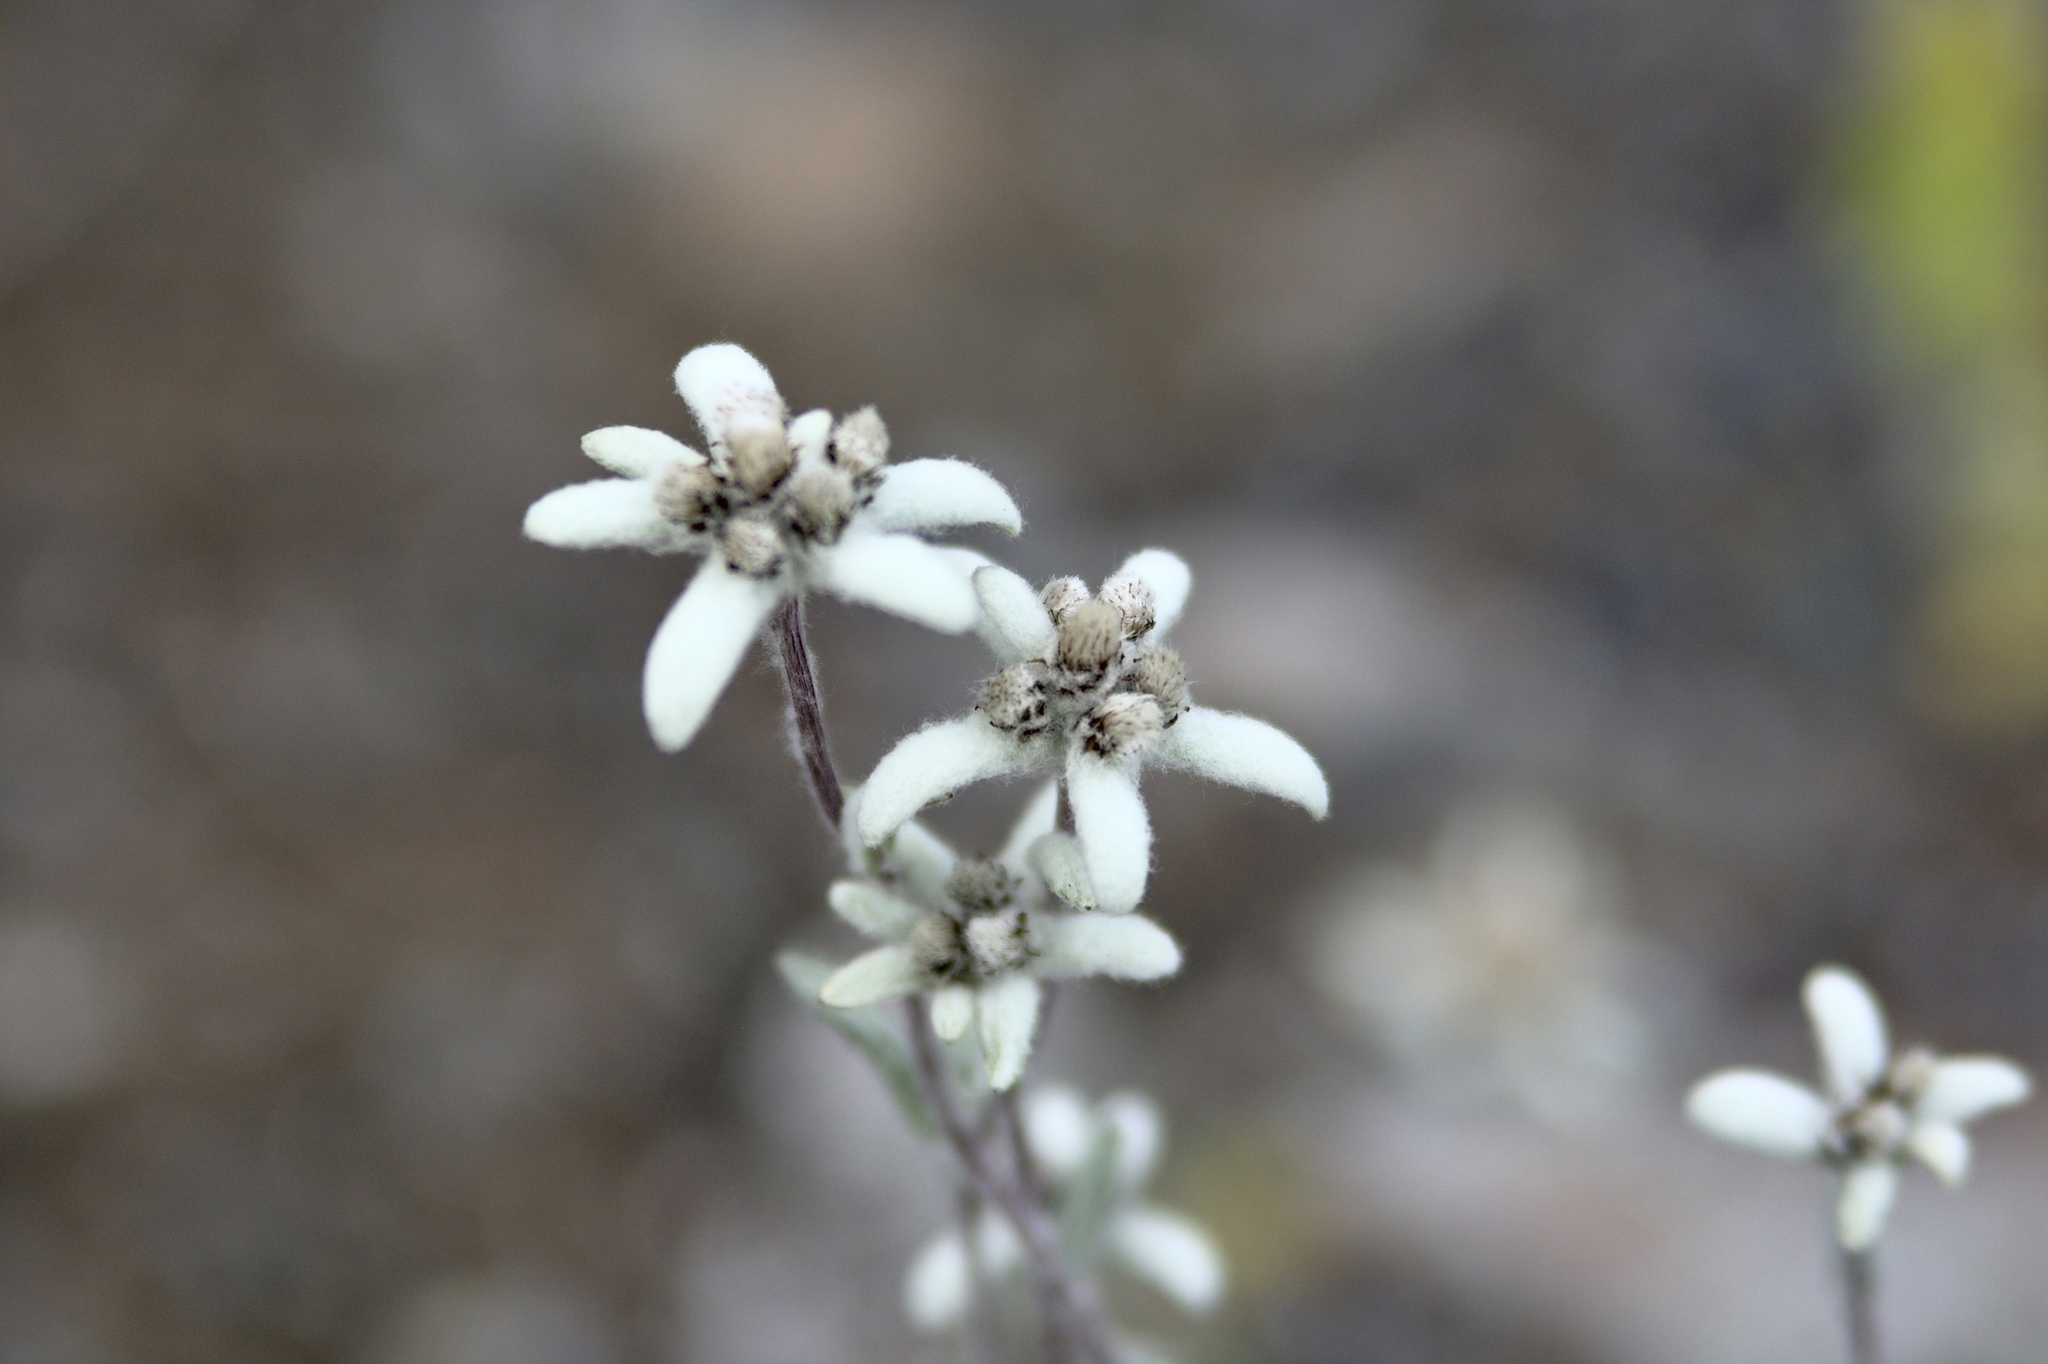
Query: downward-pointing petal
point(1943, 1148)
point(608, 513)
point(698, 645)
point(1170, 1253)
point(937, 1289)
point(1848, 1030)
point(1240, 751)
point(1009, 1018)
point(1115, 834)
point(1867, 1193)
point(934, 762)
point(1965, 1088)
point(952, 1011)
point(1061, 865)
point(1127, 947)
point(926, 495)
point(902, 575)
point(1167, 574)
point(1764, 1112)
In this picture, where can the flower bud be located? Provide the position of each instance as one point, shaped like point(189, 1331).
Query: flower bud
point(860, 445)
point(820, 500)
point(1014, 700)
point(687, 493)
point(979, 884)
point(1062, 595)
point(997, 942)
point(1089, 637)
point(936, 946)
point(1122, 725)
point(1160, 674)
point(759, 458)
point(1911, 1073)
point(752, 546)
point(1133, 599)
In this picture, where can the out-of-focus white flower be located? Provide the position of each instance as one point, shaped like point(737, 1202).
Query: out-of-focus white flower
point(978, 934)
point(1097, 1160)
point(1089, 690)
point(1503, 961)
point(778, 505)
point(1874, 1111)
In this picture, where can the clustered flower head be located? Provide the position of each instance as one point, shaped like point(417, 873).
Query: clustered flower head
point(1098, 1159)
point(778, 505)
point(1088, 689)
point(977, 935)
point(1874, 1112)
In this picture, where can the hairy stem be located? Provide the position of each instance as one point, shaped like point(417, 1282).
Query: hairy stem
point(1068, 1309)
point(807, 710)
point(1859, 1302)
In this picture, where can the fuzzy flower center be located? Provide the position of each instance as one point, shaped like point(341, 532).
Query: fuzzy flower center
point(1098, 685)
point(982, 934)
point(770, 490)
point(1877, 1126)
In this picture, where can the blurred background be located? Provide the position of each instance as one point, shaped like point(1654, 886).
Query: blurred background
point(1613, 434)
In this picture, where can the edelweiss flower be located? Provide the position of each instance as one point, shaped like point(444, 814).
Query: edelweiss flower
point(1878, 1110)
point(778, 506)
point(978, 935)
point(1088, 690)
point(1069, 1140)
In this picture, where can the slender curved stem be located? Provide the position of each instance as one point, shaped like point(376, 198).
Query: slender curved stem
point(1859, 1302)
point(1069, 1311)
point(807, 710)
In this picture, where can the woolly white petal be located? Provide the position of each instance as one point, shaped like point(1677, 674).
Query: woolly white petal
point(1167, 574)
point(1127, 947)
point(874, 911)
point(1764, 1112)
point(636, 451)
point(1240, 751)
point(1058, 860)
point(1013, 619)
point(809, 435)
point(1170, 1253)
point(1867, 1193)
point(1139, 1135)
point(1965, 1088)
point(1058, 1128)
point(698, 645)
point(1848, 1030)
point(996, 1242)
point(1943, 1148)
point(1035, 823)
point(900, 574)
point(725, 388)
point(952, 1012)
point(939, 1286)
point(1009, 1018)
point(934, 762)
point(925, 495)
point(1115, 834)
point(885, 973)
point(608, 513)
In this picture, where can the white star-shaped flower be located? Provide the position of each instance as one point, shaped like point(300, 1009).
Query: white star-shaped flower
point(1066, 1137)
point(1088, 690)
point(778, 506)
point(979, 934)
point(1875, 1110)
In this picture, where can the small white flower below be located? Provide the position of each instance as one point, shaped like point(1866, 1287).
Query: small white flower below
point(1878, 1111)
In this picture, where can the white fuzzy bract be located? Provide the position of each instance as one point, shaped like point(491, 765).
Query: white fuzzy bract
point(778, 506)
point(978, 935)
point(1878, 1110)
point(1065, 1134)
point(1089, 691)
